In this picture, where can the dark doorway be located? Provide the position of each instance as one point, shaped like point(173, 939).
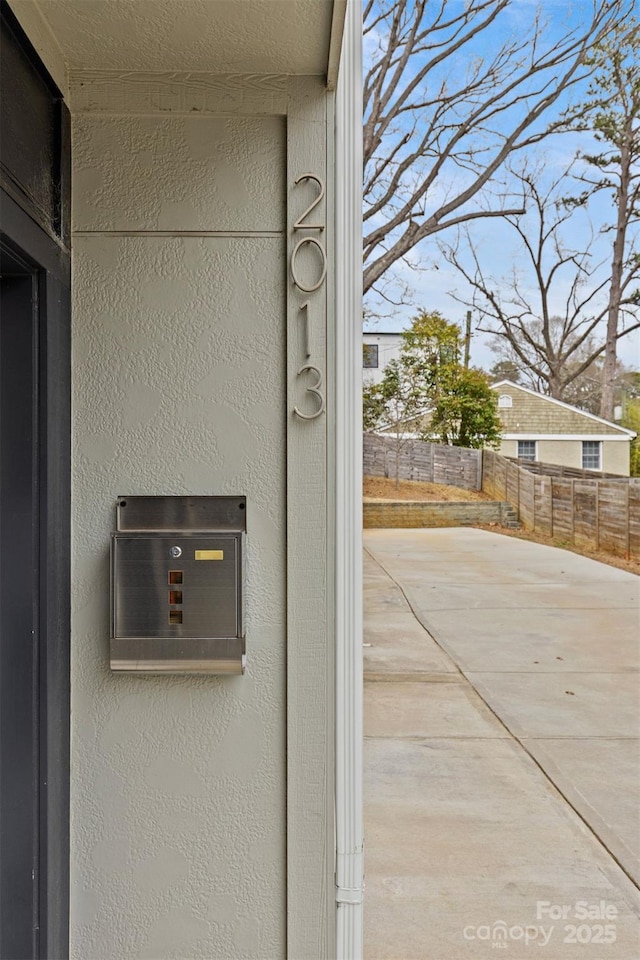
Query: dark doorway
point(34, 505)
point(19, 610)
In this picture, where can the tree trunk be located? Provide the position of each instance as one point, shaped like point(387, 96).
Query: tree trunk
point(615, 290)
point(397, 463)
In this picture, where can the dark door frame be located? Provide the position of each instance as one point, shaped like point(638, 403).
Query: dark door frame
point(40, 242)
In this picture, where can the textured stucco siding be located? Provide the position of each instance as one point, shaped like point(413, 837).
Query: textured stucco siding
point(568, 453)
point(616, 458)
point(169, 173)
point(508, 448)
point(178, 787)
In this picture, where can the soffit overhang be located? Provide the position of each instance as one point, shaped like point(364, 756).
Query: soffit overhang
point(291, 37)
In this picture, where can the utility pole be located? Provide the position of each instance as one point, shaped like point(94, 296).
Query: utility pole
point(467, 341)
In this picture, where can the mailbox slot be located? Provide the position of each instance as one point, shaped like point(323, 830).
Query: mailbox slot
point(177, 585)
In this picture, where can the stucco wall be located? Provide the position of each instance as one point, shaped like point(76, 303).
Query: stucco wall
point(568, 453)
point(615, 457)
point(178, 790)
point(565, 452)
point(508, 448)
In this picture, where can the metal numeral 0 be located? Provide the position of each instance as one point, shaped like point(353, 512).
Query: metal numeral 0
point(323, 255)
point(315, 389)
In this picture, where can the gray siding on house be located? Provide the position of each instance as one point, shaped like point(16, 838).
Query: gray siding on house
point(532, 414)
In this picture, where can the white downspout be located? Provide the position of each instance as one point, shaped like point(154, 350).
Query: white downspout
point(348, 531)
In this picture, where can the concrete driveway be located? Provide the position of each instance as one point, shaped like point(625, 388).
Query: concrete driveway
point(502, 760)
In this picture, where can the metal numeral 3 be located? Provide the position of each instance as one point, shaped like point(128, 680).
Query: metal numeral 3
point(315, 389)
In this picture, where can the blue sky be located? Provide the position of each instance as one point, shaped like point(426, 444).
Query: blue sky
point(433, 283)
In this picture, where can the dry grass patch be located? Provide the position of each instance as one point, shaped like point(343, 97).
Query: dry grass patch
point(383, 488)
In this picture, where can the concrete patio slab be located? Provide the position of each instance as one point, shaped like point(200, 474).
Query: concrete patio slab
point(477, 569)
point(576, 766)
point(427, 710)
point(463, 834)
point(481, 548)
point(548, 640)
point(491, 595)
point(397, 643)
point(563, 704)
point(471, 840)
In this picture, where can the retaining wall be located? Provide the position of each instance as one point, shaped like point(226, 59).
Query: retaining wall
point(414, 513)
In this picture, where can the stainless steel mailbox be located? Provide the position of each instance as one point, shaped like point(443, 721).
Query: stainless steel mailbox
point(176, 580)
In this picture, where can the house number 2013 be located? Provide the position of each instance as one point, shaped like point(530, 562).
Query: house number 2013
point(315, 385)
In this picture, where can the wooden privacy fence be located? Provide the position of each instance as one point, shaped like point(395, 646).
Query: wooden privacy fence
point(557, 470)
point(428, 462)
point(603, 514)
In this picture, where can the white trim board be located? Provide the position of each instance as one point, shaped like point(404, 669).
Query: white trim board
point(348, 499)
point(570, 436)
point(310, 740)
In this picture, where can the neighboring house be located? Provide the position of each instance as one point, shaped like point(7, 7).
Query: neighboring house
point(377, 350)
point(536, 427)
point(212, 152)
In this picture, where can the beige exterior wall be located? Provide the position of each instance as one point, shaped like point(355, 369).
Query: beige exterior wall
point(183, 384)
point(568, 453)
point(616, 457)
point(508, 448)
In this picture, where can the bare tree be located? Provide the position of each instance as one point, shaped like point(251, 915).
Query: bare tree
point(612, 111)
point(554, 350)
point(441, 116)
point(583, 391)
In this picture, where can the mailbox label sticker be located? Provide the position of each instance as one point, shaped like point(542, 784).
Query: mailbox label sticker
point(209, 554)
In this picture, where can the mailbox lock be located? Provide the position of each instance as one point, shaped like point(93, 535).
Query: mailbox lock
point(176, 551)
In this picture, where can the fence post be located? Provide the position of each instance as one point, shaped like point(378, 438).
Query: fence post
point(627, 530)
point(533, 505)
point(573, 513)
point(597, 482)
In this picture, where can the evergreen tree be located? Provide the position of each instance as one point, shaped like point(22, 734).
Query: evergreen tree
point(612, 111)
point(429, 393)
